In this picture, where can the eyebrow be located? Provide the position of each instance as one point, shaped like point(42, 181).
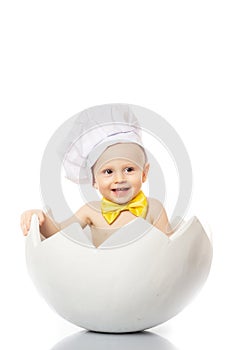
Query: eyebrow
point(107, 166)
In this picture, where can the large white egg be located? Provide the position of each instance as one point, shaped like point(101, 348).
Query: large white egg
point(137, 279)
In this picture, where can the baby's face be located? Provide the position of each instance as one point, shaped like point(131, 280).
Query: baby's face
point(120, 180)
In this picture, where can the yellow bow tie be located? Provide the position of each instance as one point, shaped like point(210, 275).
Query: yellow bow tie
point(137, 206)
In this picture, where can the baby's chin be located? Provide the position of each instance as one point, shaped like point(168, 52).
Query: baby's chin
point(121, 197)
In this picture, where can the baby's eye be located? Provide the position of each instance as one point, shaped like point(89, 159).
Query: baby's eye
point(107, 171)
point(129, 169)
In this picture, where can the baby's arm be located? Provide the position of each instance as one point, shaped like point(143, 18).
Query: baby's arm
point(163, 224)
point(160, 219)
point(49, 227)
point(81, 216)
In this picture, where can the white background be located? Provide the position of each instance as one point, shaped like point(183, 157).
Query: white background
point(60, 57)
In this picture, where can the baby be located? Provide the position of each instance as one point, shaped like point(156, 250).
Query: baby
point(118, 169)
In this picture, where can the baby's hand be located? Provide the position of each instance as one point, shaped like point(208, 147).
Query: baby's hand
point(25, 221)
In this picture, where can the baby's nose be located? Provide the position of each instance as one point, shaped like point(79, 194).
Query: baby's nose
point(119, 177)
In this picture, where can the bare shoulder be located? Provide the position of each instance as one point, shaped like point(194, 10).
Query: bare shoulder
point(153, 201)
point(94, 205)
point(158, 215)
point(86, 208)
point(154, 205)
point(86, 212)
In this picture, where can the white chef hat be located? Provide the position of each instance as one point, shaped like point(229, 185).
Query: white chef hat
point(93, 131)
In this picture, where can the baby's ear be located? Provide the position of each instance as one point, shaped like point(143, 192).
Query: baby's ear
point(95, 185)
point(145, 172)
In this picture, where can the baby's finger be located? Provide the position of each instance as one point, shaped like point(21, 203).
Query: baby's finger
point(41, 218)
point(27, 222)
point(24, 228)
point(22, 223)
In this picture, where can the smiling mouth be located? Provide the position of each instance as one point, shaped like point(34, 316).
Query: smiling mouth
point(120, 189)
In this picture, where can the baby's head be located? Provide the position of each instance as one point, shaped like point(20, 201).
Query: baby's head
point(107, 135)
point(120, 171)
